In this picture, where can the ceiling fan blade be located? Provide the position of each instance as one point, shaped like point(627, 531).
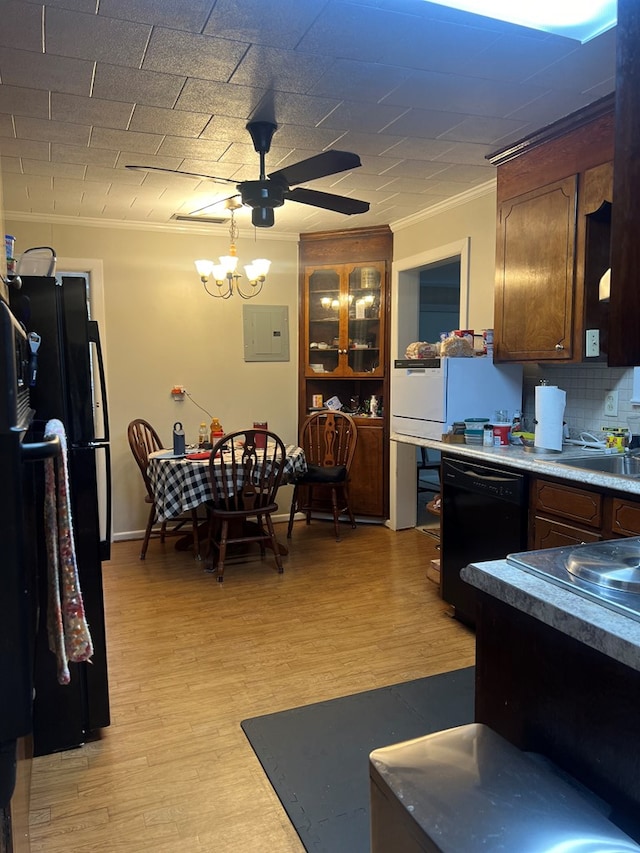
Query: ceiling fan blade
point(328, 201)
point(328, 163)
point(179, 172)
point(215, 204)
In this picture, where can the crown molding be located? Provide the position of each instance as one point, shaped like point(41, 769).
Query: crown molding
point(443, 206)
point(221, 230)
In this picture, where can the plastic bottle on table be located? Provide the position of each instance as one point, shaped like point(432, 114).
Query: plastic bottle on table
point(215, 430)
point(203, 434)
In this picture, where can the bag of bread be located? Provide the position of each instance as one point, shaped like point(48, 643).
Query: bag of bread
point(422, 349)
point(454, 347)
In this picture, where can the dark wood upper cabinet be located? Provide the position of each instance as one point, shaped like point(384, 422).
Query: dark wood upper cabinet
point(553, 238)
point(624, 346)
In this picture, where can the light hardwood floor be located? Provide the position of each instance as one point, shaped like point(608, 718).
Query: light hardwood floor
point(190, 658)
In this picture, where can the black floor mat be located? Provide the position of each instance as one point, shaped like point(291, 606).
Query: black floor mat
point(317, 756)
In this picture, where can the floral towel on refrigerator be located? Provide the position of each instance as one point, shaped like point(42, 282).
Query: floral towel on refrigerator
point(69, 637)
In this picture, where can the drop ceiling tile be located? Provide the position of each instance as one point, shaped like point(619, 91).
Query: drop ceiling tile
point(120, 176)
point(80, 154)
point(194, 149)
point(419, 149)
point(420, 169)
point(118, 140)
point(25, 148)
point(44, 71)
point(467, 154)
point(582, 69)
point(54, 170)
point(485, 129)
point(459, 94)
point(25, 102)
point(190, 16)
point(555, 104)
point(90, 111)
point(77, 5)
point(368, 118)
point(423, 124)
point(176, 52)
point(359, 81)
point(432, 45)
point(350, 31)
point(21, 26)
point(7, 127)
point(11, 164)
point(78, 188)
point(55, 131)
point(151, 88)
point(277, 24)
point(517, 57)
point(172, 122)
point(38, 184)
point(354, 182)
point(287, 70)
point(362, 143)
point(223, 98)
point(310, 140)
point(225, 129)
point(95, 37)
point(292, 108)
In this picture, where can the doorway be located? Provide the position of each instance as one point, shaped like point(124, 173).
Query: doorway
point(429, 296)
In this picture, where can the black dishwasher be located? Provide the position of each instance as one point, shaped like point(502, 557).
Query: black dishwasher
point(484, 517)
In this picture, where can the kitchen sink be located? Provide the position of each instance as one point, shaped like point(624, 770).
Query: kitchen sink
point(621, 464)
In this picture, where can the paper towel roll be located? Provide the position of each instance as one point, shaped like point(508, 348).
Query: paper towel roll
point(550, 404)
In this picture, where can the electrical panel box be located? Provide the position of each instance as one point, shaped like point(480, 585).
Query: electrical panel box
point(266, 332)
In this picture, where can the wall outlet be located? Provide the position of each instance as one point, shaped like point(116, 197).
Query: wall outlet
point(592, 343)
point(611, 404)
point(178, 392)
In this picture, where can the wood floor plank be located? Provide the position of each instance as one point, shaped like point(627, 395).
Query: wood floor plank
point(189, 658)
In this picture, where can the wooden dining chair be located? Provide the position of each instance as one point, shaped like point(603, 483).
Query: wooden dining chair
point(246, 471)
point(143, 440)
point(329, 443)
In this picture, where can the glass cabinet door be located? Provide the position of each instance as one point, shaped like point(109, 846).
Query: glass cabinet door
point(366, 318)
point(323, 320)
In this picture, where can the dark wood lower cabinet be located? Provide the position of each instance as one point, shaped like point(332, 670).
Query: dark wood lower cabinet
point(550, 694)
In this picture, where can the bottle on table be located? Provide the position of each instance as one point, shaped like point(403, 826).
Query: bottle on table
point(203, 435)
point(215, 431)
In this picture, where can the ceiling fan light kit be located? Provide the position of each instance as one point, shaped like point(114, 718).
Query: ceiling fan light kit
point(224, 274)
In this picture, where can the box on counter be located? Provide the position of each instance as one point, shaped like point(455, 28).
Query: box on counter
point(452, 438)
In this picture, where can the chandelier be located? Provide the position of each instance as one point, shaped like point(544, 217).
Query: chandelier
point(224, 275)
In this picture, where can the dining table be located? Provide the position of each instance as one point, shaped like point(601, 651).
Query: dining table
point(181, 484)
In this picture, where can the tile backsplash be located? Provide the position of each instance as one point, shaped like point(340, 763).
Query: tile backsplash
point(586, 388)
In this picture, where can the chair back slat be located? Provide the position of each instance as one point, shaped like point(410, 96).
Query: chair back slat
point(244, 477)
point(143, 440)
point(329, 439)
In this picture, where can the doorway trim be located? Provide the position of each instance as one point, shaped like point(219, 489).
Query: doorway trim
point(402, 455)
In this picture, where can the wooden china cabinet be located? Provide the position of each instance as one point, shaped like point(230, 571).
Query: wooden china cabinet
point(344, 346)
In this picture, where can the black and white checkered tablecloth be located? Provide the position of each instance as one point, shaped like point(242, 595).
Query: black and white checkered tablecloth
point(183, 484)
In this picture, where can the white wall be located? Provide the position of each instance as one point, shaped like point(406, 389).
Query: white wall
point(162, 329)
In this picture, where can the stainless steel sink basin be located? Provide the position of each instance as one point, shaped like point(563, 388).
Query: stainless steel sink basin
point(618, 463)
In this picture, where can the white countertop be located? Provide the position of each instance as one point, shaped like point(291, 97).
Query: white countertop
point(543, 464)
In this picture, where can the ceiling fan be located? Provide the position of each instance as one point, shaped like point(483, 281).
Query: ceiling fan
point(271, 191)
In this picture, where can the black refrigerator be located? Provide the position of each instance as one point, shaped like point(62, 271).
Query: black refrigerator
point(70, 386)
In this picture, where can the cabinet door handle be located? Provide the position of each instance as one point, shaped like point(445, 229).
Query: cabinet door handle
point(559, 346)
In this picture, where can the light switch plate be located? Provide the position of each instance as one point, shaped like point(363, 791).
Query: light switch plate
point(592, 343)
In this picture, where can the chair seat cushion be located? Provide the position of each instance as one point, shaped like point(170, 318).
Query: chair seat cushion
point(319, 474)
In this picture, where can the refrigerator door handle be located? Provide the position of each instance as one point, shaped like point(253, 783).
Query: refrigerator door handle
point(94, 338)
point(37, 451)
point(105, 544)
